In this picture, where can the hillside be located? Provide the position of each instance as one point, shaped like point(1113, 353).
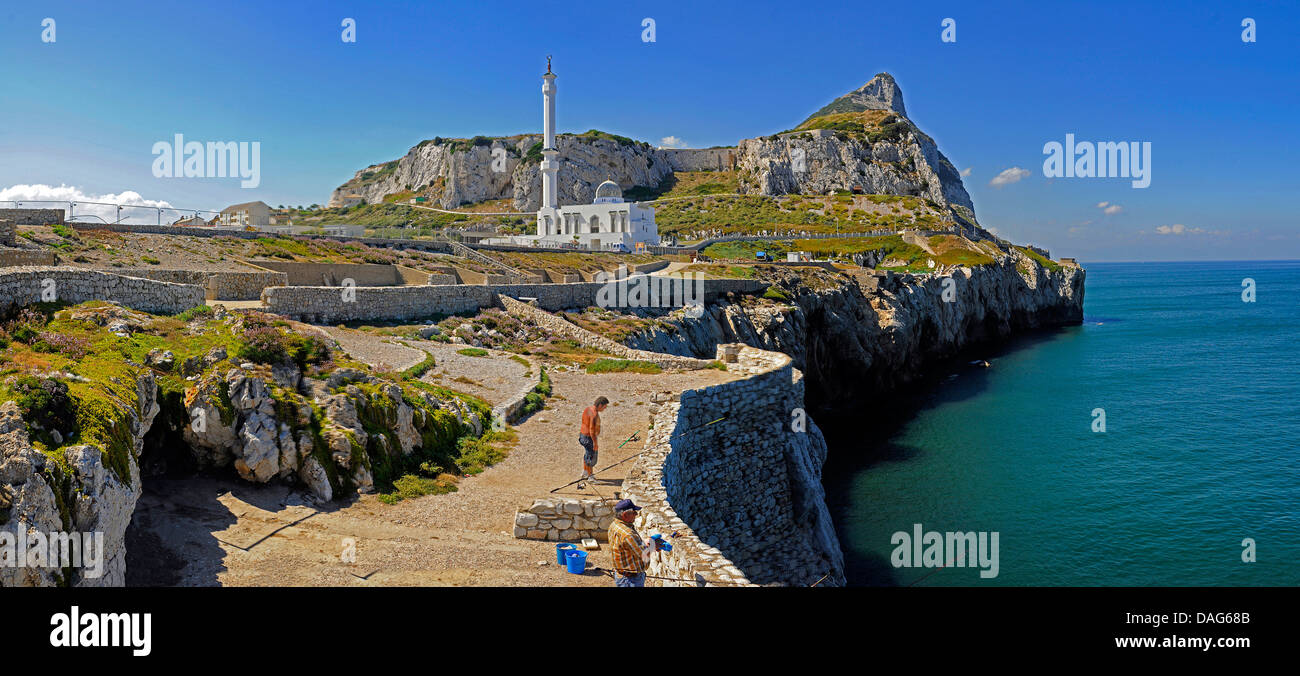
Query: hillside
point(860, 142)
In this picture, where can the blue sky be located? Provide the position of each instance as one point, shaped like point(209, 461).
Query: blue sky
point(1220, 114)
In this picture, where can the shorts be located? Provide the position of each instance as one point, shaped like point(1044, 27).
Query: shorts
point(621, 580)
point(589, 450)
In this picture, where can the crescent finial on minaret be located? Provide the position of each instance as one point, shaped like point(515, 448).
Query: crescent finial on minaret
point(548, 63)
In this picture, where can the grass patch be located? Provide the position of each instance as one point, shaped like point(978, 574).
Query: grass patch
point(473, 352)
point(623, 366)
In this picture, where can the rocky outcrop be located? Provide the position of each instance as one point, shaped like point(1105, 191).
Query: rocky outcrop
point(853, 341)
point(75, 491)
point(879, 93)
point(460, 172)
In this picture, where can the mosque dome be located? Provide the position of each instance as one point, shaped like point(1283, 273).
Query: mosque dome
point(609, 191)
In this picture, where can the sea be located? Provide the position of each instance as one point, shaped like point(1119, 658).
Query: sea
point(1156, 444)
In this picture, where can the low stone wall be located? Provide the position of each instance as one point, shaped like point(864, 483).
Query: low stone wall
point(590, 339)
point(333, 274)
point(438, 278)
point(743, 494)
point(564, 520)
point(326, 305)
point(411, 275)
point(27, 257)
point(33, 216)
point(8, 232)
point(218, 285)
point(28, 285)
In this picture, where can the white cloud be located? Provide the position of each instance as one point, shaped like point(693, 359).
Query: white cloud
point(965, 172)
point(1180, 229)
point(1102, 205)
point(1109, 209)
point(1009, 176)
point(85, 211)
point(671, 142)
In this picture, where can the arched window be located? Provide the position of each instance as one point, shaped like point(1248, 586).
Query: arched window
point(594, 223)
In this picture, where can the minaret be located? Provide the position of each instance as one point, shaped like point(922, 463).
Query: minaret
point(550, 198)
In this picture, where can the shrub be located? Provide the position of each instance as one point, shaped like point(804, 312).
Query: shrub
point(26, 327)
point(45, 402)
point(264, 345)
point(51, 341)
point(196, 312)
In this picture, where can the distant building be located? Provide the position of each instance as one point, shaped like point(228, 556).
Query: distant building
point(190, 221)
point(351, 200)
point(248, 213)
point(607, 223)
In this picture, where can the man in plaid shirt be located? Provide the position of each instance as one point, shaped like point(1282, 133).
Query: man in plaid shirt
point(630, 554)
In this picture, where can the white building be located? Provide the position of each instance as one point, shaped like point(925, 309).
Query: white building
point(607, 223)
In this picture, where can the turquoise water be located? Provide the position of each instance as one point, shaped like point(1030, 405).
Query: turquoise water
point(1201, 393)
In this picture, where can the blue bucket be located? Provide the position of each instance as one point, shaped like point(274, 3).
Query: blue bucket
point(561, 549)
point(576, 560)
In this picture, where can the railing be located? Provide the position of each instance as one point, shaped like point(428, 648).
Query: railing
point(71, 214)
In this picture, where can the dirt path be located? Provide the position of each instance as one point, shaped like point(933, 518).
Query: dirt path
point(374, 350)
point(222, 531)
point(495, 377)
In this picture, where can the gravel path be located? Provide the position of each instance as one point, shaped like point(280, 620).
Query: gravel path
point(374, 350)
point(494, 377)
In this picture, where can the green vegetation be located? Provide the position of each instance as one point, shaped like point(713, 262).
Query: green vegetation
point(196, 312)
point(1039, 258)
point(623, 366)
point(473, 352)
point(418, 371)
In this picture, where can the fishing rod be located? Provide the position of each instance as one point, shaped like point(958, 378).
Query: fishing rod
point(580, 479)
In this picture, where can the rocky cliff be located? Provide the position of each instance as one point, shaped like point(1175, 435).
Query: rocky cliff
point(853, 341)
point(456, 172)
point(75, 443)
point(861, 141)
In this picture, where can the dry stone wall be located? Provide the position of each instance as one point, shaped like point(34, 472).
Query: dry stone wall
point(564, 520)
point(27, 257)
point(587, 338)
point(28, 285)
point(218, 285)
point(743, 494)
point(33, 216)
point(329, 305)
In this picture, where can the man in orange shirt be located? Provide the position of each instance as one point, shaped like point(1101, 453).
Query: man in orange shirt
point(588, 435)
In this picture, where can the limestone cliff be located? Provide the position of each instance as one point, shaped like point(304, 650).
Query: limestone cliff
point(853, 341)
point(860, 141)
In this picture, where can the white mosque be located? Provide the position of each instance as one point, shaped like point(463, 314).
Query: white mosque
point(608, 223)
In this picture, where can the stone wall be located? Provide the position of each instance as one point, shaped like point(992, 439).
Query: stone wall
point(33, 216)
point(564, 520)
point(27, 257)
point(587, 338)
point(743, 494)
point(25, 286)
point(333, 274)
point(325, 305)
point(8, 232)
point(218, 285)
